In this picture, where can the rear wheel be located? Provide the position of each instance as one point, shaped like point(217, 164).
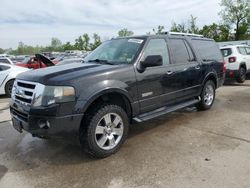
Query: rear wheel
point(104, 131)
point(242, 75)
point(207, 96)
point(8, 88)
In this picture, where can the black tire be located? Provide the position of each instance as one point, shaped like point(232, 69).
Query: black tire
point(8, 87)
point(88, 135)
point(242, 75)
point(206, 104)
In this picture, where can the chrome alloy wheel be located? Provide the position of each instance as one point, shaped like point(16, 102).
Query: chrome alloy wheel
point(209, 95)
point(109, 131)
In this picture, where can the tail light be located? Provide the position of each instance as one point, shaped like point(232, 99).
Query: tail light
point(224, 69)
point(232, 60)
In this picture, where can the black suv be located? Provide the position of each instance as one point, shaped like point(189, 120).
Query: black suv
point(124, 80)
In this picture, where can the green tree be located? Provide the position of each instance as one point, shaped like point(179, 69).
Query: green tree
point(82, 42)
point(56, 44)
point(236, 13)
point(97, 41)
point(178, 27)
point(193, 28)
point(217, 32)
point(125, 33)
point(68, 46)
point(159, 30)
point(2, 51)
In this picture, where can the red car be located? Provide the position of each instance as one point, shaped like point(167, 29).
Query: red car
point(37, 62)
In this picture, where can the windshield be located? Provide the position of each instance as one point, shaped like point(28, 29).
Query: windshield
point(117, 51)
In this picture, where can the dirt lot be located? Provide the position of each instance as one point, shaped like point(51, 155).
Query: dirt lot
point(182, 149)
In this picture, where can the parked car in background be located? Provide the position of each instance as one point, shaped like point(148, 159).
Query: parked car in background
point(6, 60)
point(8, 74)
point(71, 60)
point(124, 80)
point(36, 62)
point(237, 58)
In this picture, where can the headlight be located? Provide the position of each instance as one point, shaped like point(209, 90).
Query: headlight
point(54, 94)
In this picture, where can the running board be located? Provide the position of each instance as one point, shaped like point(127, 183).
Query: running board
point(163, 111)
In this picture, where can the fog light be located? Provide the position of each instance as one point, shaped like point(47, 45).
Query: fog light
point(43, 124)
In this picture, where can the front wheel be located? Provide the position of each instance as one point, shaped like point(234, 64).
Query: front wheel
point(104, 131)
point(207, 96)
point(8, 88)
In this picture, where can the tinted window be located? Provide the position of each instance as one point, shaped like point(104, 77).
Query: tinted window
point(179, 51)
point(207, 49)
point(248, 50)
point(242, 50)
point(157, 47)
point(190, 52)
point(226, 52)
point(4, 61)
point(3, 67)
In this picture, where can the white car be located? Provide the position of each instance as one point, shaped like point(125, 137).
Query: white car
point(8, 74)
point(237, 59)
point(6, 60)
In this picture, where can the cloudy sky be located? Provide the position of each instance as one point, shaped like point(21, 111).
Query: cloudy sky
point(35, 22)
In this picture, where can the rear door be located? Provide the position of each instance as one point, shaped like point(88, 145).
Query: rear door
point(186, 69)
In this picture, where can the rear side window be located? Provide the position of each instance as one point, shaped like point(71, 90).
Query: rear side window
point(179, 51)
point(242, 50)
point(3, 67)
point(226, 52)
point(248, 50)
point(4, 61)
point(207, 49)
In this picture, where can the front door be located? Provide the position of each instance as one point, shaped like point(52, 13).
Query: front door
point(155, 84)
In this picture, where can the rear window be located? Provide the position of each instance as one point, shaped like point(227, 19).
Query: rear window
point(207, 49)
point(226, 52)
point(242, 50)
point(248, 50)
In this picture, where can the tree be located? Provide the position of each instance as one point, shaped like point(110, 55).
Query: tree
point(125, 33)
point(193, 28)
point(82, 42)
point(236, 13)
point(68, 46)
point(56, 44)
point(178, 27)
point(217, 32)
point(159, 30)
point(2, 51)
point(97, 41)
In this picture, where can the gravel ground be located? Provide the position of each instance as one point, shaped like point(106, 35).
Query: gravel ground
point(183, 149)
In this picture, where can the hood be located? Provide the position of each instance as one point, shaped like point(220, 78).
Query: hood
point(65, 74)
point(45, 60)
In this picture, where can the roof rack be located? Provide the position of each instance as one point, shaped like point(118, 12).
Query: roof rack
point(182, 34)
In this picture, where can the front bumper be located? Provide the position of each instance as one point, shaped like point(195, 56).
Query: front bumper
point(47, 123)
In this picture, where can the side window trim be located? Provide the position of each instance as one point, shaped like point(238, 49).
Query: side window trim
point(192, 56)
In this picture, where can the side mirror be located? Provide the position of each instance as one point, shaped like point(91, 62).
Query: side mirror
point(150, 61)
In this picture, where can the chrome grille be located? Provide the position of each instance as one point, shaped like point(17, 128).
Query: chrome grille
point(23, 92)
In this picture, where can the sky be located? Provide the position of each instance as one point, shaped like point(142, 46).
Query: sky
point(35, 22)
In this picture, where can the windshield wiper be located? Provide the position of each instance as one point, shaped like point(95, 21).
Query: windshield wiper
point(101, 61)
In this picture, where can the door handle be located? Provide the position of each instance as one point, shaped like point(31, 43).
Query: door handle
point(170, 72)
point(198, 67)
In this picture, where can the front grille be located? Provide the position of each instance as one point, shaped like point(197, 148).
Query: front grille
point(23, 92)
